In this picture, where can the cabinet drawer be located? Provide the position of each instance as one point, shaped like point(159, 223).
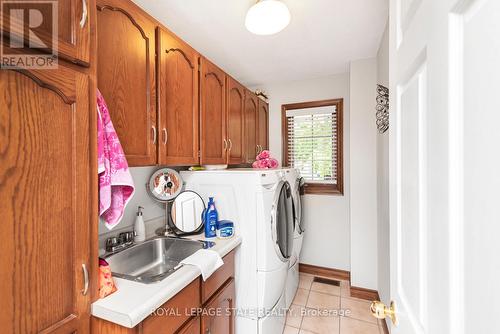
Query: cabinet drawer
point(210, 286)
point(165, 321)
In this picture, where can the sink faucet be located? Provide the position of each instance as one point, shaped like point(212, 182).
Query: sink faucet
point(124, 240)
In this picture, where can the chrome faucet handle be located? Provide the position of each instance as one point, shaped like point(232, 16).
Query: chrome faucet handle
point(111, 243)
point(126, 236)
point(124, 240)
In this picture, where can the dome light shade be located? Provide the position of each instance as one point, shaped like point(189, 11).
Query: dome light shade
point(267, 17)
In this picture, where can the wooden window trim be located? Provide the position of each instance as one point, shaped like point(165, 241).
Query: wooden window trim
point(319, 188)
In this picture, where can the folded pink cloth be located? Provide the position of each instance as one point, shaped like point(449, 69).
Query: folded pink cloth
point(264, 160)
point(116, 186)
point(264, 155)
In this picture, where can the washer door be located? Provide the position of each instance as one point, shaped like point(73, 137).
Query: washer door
point(283, 221)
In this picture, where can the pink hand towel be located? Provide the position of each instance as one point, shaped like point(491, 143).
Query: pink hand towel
point(264, 160)
point(116, 186)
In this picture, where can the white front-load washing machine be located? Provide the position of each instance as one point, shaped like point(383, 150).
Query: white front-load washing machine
point(260, 204)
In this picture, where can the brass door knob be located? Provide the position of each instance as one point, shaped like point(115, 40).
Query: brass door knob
point(380, 311)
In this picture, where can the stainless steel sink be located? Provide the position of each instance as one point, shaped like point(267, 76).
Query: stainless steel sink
point(154, 259)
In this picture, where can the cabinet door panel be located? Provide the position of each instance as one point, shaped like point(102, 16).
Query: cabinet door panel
point(213, 114)
point(73, 26)
point(179, 107)
point(251, 108)
point(45, 178)
point(126, 77)
point(222, 323)
point(263, 125)
point(192, 327)
point(235, 121)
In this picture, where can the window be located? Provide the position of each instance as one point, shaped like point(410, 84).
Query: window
point(312, 143)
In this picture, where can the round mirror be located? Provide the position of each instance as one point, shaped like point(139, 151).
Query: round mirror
point(165, 184)
point(186, 212)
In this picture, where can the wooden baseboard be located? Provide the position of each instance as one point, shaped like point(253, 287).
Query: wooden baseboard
point(363, 293)
point(325, 272)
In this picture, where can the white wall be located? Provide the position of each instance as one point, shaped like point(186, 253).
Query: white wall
point(153, 213)
point(383, 181)
point(363, 167)
point(326, 240)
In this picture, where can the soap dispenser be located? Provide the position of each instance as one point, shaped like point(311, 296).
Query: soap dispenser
point(139, 227)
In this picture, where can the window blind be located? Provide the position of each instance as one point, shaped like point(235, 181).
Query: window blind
point(312, 144)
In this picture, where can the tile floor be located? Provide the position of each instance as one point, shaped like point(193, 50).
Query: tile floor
point(320, 308)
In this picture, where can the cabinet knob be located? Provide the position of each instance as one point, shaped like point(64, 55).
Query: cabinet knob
point(225, 144)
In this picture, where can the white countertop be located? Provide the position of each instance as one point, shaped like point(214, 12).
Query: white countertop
point(134, 301)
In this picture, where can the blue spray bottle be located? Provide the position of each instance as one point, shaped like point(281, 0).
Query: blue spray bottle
point(211, 218)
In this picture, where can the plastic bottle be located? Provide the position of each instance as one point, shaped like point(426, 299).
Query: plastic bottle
point(139, 227)
point(211, 218)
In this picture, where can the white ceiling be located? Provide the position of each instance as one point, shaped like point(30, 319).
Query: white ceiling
point(322, 38)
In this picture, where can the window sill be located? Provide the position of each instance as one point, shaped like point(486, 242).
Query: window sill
point(322, 189)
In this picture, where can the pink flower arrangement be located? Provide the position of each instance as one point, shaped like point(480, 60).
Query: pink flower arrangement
point(264, 161)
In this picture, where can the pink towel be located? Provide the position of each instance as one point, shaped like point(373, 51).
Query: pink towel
point(264, 160)
point(116, 185)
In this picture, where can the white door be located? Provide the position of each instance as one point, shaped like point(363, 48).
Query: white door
point(445, 165)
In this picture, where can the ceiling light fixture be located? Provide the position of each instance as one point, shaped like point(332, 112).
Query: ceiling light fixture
point(267, 17)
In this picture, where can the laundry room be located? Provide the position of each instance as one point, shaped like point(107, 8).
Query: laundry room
point(249, 167)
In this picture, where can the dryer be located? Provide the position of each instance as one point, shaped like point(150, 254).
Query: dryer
point(297, 182)
point(260, 204)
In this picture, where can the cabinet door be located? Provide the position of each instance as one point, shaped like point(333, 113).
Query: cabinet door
point(73, 26)
point(251, 108)
point(126, 77)
point(213, 114)
point(178, 96)
point(192, 327)
point(263, 125)
point(46, 210)
point(218, 315)
point(235, 121)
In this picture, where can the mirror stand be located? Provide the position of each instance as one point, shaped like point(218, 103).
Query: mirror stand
point(170, 228)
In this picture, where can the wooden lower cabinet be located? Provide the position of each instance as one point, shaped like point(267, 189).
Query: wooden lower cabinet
point(192, 327)
point(218, 315)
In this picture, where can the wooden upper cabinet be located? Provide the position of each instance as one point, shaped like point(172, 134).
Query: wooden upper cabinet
point(213, 114)
point(263, 125)
point(235, 121)
point(222, 323)
point(178, 94)
point(251, 109)
point(73, 26)
point(45, 175)
point(126, 77)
